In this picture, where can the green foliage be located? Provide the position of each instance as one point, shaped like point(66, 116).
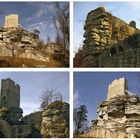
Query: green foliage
point(80, 119)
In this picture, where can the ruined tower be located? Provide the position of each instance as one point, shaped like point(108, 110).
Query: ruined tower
point(117, 88)
point(10, 93)
point(10, 98)
point(11, 20)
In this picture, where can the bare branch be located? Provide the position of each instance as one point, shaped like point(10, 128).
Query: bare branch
point(48, 96)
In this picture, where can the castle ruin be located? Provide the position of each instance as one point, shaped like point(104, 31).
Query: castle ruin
point(119, 115)
point(117, 88)
point(10, 111)
point(53, 121)
point(19, 43)
point(11, 20)
point(10, 98)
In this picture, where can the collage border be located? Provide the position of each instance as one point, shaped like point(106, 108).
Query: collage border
point(71, 70)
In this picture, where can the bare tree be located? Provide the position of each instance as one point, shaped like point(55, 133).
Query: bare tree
point(48, 39)
point(48, 96)
point(58, 39)
point(61, 22)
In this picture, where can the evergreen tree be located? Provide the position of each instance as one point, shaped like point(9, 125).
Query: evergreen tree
point(80, 118)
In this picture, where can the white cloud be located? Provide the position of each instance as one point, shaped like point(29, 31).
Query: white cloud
point(37, 25)
point(43, 9)
point(46, 27)
point(78, 35)
point(29, 107)
point(76, 99)
point(42, 27)
point(135, 5)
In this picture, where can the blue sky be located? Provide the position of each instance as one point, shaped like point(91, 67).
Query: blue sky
point(90, 88)
point(32, 84)
point(33, 15)
point(127, 11)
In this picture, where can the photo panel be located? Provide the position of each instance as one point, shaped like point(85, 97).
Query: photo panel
point(34, 105)
point(106, 105)
point(106, 34)
point(34, 34)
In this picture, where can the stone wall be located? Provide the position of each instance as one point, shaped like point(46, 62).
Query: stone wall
point(11, 20)
point(10, 99)
point(22, 131)
point(10, 94)
point(117, 88)
point(34, 119)
point(128, 58)
point(5, 129)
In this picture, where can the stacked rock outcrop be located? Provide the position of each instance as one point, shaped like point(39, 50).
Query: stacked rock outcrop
point(55, 120)
point(119, 116)
point(97, 29)
point(97, 34)
point(17, 43)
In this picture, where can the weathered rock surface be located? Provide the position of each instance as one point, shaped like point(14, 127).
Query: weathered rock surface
point(119, 116)
point(17, 43)
point(6, 131)
point(34, 119)
point(109, 42)
point(55, 120)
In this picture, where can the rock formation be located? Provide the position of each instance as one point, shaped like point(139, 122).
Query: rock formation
point(55, 120)
point(119, 116)
point(19, 43)
point(109, 42)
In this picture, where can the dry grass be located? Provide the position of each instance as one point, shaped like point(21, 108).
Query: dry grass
point(20, 62)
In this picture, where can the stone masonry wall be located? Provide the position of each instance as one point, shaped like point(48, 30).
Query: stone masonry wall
point(11, 20)
point(10, 94)
point(10, 99)
point(117, 88)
